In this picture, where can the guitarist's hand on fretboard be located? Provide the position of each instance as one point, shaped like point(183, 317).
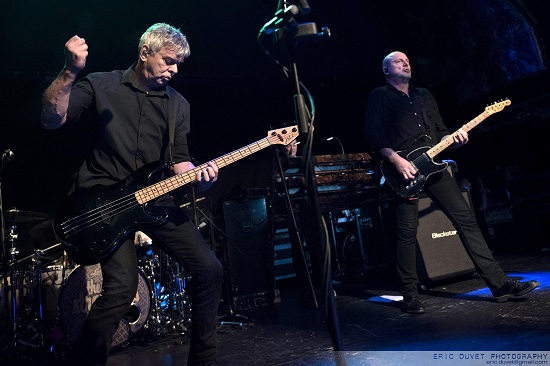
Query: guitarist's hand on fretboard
point(404, 167)
point(460, 138)
point(207, 176)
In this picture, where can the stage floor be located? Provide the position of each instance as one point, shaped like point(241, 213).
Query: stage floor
point(461, 320)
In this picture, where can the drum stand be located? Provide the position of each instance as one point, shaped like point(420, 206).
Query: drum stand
point(14, 275)
point(37, 271)
point(36, 294)
point(22, 330)
point(179, 306)
point(26, 319)
point(4, 295)
point(17, 283)
point(170, 306)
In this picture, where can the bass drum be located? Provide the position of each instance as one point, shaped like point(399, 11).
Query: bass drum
point(83, 287)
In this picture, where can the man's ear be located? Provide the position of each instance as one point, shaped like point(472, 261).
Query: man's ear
point(144, 52)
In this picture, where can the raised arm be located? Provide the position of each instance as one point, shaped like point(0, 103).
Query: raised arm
point(55, 100)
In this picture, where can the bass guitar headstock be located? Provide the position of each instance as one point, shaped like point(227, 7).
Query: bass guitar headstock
point(283, 136)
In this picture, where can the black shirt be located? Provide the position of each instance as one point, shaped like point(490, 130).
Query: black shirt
point(132, 125)
point(394, 120)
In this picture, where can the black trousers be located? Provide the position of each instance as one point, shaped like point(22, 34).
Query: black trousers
point(445, 193)
point(183, 242)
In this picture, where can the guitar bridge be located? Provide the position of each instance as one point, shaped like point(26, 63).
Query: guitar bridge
point(416, 181)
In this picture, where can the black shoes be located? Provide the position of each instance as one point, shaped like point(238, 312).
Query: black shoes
point(412, 305)
point(514, 288)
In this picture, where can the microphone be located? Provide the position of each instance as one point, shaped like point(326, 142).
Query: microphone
point(337, 139)
point(7, 156)
point(281, 16)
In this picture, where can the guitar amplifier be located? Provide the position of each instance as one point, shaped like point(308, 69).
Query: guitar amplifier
point(248, 247)
point(440, 253)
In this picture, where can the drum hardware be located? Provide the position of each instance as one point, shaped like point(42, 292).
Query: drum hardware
point(21, 216)
point(15, 276)
point(161, 305)
point(171, 305)
point(25, 300)
point(19, 281)
point(38, 270)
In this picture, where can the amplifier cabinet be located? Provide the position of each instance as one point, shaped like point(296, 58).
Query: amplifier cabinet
point(440, 253)
point(249, 253)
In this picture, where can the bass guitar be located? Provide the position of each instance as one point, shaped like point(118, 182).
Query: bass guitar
point(421, 155)
point(91, 224)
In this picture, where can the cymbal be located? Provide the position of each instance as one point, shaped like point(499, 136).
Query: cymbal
point(19, 216)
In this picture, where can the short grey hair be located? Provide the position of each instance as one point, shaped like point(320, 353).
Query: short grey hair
point(164, 35)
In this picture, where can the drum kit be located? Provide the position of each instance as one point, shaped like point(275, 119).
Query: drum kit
point(45, 297)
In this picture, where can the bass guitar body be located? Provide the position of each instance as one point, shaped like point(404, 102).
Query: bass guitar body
point(92, 223)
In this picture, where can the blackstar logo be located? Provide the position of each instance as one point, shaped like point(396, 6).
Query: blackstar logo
point(443, 234)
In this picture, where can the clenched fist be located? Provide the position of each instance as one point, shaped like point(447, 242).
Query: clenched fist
point(76, 51)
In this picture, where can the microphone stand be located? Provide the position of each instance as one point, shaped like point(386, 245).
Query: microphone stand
point(294, 228)
point(195, 215)
point(231, 317)
point(4, 262)
point(293, 34)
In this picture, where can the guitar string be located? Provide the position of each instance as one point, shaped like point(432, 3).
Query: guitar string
point(96, 215)
point(116, 207)
point(87, 219)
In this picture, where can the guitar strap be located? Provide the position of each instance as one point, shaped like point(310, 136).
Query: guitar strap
point(171, 131)
point(424, 115)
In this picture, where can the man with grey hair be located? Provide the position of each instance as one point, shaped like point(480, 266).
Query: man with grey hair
point(398, 116)
point(132, 110)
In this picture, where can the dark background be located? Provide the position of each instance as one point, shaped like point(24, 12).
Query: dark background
point(469, 53)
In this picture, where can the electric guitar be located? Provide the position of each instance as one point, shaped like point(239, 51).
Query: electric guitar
point(91, 224)
point(421, 155)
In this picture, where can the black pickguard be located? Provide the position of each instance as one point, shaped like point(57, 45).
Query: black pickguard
point(424, 165)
